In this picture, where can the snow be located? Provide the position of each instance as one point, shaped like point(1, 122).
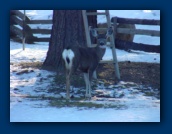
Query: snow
point(31, 112)
point(32, 52)
point(27, 89)
point(138, 56)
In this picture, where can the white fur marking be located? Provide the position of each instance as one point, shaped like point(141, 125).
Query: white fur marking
point(104, 46)
point(70, 54)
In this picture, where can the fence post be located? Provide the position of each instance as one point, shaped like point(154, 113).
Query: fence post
point(24, 23)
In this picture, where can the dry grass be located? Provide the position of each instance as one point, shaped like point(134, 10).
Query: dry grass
point(147, 74)
point(140, 73)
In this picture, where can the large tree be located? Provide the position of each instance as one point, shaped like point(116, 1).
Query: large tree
point(67, 30)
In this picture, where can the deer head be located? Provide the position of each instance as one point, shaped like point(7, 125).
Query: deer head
point(101, 38)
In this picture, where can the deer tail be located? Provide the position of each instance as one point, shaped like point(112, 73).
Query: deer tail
point(68, 56)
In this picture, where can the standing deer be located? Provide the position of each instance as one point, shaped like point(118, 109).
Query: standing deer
point(84, 58)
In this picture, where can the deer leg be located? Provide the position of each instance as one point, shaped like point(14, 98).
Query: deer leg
point(68, 73)
point(86, 83)
point(89, 94)
point(94, 75)
point(90, 74)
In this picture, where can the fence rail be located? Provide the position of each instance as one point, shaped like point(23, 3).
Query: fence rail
point(138, 31)
point(128, 45)
point(39, 22)
point(41, 31)
point(135, 21)
point(45, 39)
point(116, 20)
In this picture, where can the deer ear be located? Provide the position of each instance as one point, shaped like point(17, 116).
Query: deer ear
point(93, 31)
point(109, 31)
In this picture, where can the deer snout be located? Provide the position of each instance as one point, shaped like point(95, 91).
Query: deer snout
point(102, 43)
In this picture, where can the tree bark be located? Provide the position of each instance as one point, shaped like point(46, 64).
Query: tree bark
point(67, 30)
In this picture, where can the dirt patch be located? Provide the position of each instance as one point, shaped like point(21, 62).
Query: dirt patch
point(24, 71)
point(37, 65)
point(147, 74)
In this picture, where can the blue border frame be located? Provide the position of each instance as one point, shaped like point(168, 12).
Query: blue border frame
point(166, 45)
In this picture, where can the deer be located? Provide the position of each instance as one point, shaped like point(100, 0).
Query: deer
point(86, 59)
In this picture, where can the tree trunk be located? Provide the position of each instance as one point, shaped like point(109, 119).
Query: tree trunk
point(67, 30)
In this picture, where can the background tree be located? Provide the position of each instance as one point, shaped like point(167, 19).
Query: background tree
point(67, 30)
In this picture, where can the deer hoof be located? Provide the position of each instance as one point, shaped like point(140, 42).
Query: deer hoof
point(67, 98)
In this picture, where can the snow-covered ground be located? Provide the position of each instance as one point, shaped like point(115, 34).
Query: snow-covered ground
point(37, 52)
point(28, 89)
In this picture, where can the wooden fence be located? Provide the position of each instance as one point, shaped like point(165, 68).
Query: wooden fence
point(17, 19)
point(40, 31)
point(116, 20)
point(132, 45)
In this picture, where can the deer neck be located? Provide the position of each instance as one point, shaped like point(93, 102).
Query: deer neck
point(100, 51)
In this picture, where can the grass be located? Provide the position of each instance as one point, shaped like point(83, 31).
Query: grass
point(76, 80)
point(137, 72)
point(76, 102)
point(80, 103)
point(64, 103)
point(37, 65)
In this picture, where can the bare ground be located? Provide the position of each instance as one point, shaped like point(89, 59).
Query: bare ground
point(147, 74)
